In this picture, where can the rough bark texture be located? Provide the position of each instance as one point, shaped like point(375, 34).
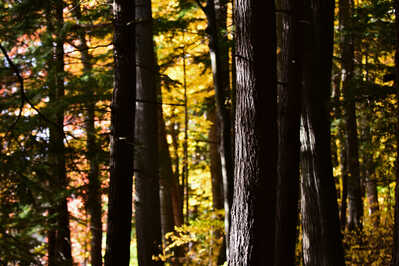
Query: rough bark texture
point(289, 92)
point(122, 136)
point(322, 244)
point(253, 211)
point(146, 200)
point(355, 203)
point(395, 249)
point(93, 201)
point(59, 235)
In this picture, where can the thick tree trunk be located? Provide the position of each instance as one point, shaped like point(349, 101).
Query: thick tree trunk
point(122, 136)
point(146, 200)
point(395, 249)
point(355, 202)
point(322, 244)
point(93, 201)
point(289, 91)
point(252, 223)
point(59, 235)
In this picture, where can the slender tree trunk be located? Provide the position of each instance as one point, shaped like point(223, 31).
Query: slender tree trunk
point(171, 204)
point(147, 203)
point(322, 244)
point(176, 188)
point(59, 235)
point(218, 198)
point(216, 13)
point(252, 225)
point(216, 168)
point(372, 196)
point(354, 189)
point(344, 195)
point(94, 189)
point(122, 136)
point(289, 92)
point(395, 250)
point(166, 178)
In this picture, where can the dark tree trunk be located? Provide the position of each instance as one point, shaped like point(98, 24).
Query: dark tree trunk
point(344, 195)
point(93, 201)
point(395, 250)
point(214, 156)
point(218, 197)
point(289, 91)
point(146, 200)
point(216, 13)
point(122, 136)
point(322, 244)
point(59, 235)
point(252, 223)
point(355, 202)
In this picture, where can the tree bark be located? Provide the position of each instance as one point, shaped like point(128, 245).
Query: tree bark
point(322, 244)
point(355, 203)
point(59, 235)
point(122, 136)
point(93, 201)
point(289, 91)
point(252, 228)
point(146, 200)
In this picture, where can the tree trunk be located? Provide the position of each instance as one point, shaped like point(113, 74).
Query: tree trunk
point(322, 244)
point(252, 225)
point(355, 203)
point(166, 177)
point(395, 249)
point(176, 188)
point(171, 203)
point(146, 200)
point(216, 13)
point(344, 195)
point(372, 196)
point(122, 136)
point(93, 202)
point(289, 91)
point(59, 235)
point(216, 168)
point(218, 197)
